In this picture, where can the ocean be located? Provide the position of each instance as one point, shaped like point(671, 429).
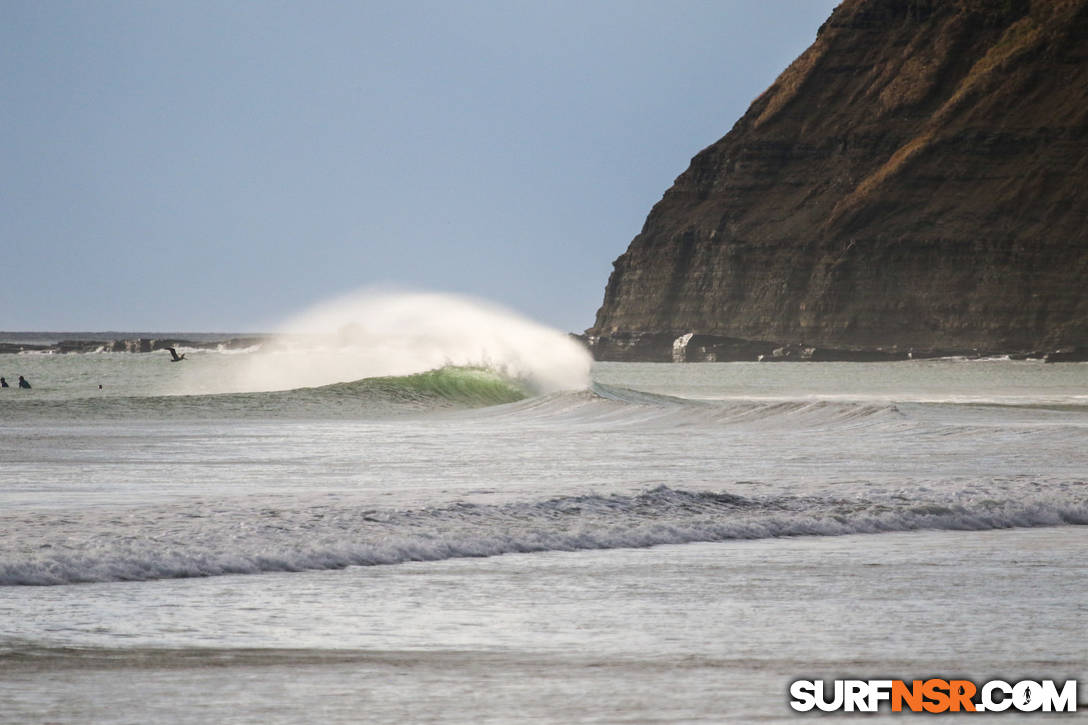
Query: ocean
point(468, 542)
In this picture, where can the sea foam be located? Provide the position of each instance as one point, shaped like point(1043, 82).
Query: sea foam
point(373, 333)
point(209, 539)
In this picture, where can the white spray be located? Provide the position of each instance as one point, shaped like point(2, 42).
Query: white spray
point(372, 334)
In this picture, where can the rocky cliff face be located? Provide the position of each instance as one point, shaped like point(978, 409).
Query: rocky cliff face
point(917, 180)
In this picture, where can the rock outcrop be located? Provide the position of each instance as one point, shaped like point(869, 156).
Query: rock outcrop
point(916, 182)
point(132, 345)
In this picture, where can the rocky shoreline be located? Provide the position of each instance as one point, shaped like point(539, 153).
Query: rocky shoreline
point(692, 347)
point(132, 345)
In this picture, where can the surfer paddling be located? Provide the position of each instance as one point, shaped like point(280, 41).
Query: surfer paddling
point(174, 357)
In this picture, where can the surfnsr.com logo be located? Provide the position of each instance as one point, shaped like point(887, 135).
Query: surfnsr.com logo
point(933, 695)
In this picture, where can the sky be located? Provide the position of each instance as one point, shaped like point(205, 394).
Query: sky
point(219, 166)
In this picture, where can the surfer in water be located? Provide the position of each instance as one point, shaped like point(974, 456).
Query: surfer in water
point(23, 383)
point(174, 357)
point(4, 383)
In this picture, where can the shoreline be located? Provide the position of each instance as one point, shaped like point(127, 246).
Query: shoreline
point(79, 342)
point(619, 347)
point(694, 348)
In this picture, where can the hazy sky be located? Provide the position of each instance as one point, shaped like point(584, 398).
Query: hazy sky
point(219, 165)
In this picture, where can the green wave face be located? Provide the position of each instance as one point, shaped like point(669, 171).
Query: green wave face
point(472, 387)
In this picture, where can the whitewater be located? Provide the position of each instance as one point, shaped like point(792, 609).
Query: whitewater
point(356, 521)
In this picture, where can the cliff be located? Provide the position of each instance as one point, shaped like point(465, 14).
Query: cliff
point(916, 181)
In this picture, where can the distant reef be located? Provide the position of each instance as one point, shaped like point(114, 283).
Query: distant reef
point(139, 344)
point(914, 184)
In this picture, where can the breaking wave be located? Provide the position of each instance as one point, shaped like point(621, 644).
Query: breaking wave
point(461, 386)
point(441, 389)
point(208, 541)
point(372, 334)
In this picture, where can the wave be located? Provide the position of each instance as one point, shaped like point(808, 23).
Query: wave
point(447, 388)
point(479, 392)
point(492, 394)
point(208, 540)
point(643, 407)
point(373, 333)
point(468, 387)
